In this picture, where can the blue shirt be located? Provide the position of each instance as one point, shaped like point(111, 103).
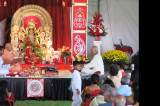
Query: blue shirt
point(106, 104)
point(124, 90)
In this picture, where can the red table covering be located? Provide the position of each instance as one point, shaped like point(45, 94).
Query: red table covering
point(60, 66)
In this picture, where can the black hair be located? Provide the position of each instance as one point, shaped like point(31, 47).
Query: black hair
point(3, 94)
point(95, 79)
point(113, 70)
point(120, 64)
point(135, 76)
point(5, 103)
point(4, 83)
point(1, 47)
point(76, 63)
point(135, 60)
point(109, 81)
point(135, 87)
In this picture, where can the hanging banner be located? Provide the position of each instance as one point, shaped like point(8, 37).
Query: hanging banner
point(79, 43)
point(79, 17)
point(35, 87)
point(80, 1)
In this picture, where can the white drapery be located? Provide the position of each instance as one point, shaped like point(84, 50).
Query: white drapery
point(121, 17)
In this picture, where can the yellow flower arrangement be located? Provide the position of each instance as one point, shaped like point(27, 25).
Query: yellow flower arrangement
point(114, 56)
point(65, 51)
point(81, 58)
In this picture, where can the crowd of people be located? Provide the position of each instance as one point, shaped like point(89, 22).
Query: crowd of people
point(118, 88)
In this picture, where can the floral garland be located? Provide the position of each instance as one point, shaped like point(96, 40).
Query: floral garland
point(96, 28)
point(27, 44)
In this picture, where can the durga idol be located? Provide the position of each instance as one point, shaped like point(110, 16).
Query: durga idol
point(32, 44)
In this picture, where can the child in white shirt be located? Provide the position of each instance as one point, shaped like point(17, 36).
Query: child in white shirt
point(76, 84)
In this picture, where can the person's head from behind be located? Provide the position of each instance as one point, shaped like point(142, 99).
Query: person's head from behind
point(3, 94)
point(4, 83)
point(125, 80)
point(119, 100)
point(109, 94)
point(8, 46)
point(94, 50)
point(135, 91)
point(120, 65)
point(110, 82)
point(77, 65)
point(134, 76)
point(1, 50)
point(113, 70)
point(95, 79)
point(105, 87)
point(4, 103)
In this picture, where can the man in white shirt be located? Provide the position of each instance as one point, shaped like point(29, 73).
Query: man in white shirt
point(96, 64)
point(4, 69)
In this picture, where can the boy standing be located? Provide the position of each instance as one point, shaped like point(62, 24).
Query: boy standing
point(76, 84)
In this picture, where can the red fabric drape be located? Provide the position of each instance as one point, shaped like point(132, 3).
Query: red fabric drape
point(60, 16)
point(0, 3)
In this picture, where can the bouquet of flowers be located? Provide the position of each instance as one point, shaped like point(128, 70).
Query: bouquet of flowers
point(65, 51)
point(81, 58)
point(96, 28)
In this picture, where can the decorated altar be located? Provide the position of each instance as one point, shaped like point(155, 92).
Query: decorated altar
point(32, 42)
point(37, 66)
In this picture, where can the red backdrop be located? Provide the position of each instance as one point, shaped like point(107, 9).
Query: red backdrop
point(60, 17)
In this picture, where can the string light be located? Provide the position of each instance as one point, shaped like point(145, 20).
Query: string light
point(5, 3)
point(63, 3)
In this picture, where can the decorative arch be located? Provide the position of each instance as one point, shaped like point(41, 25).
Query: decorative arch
point(19, 26)
point(32, 10)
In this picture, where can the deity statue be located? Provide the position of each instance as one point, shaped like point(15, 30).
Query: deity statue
point(32, 44)
point(34, 35)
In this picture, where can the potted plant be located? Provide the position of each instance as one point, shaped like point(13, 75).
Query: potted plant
point(114, 56)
